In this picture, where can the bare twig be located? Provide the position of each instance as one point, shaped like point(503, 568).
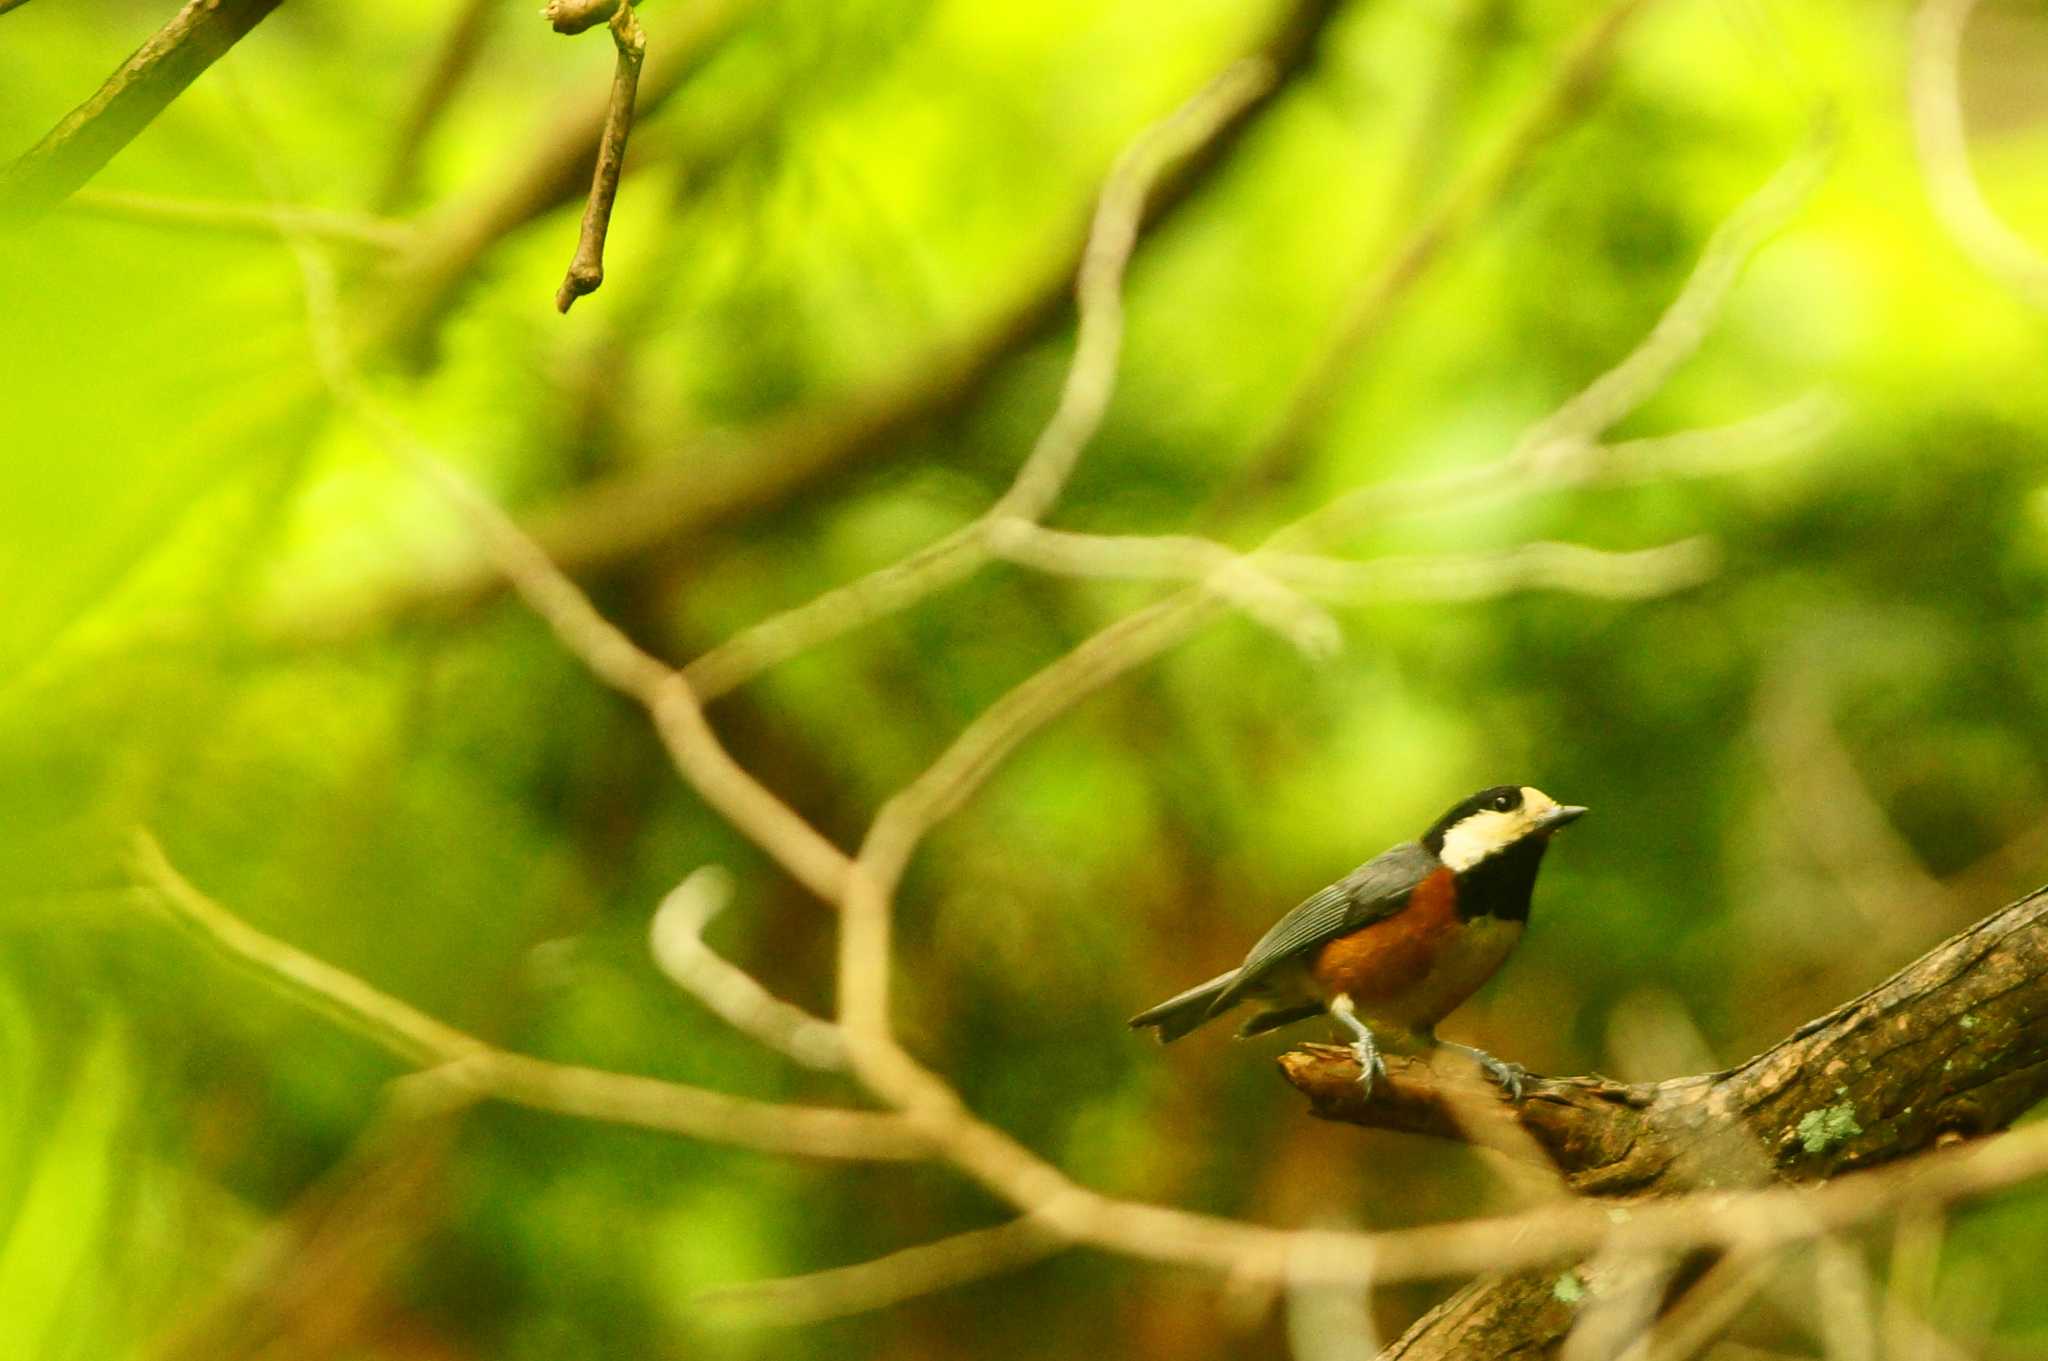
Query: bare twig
point(586, 270)
point(155, 74)
point(677, 937)
point(551, 168)
point(1367, 311)
point(902, 1275)
point(1685, 324)
point(1796, 427)
point(1091, 377)
point(256, 219)
point(1937, 107)
point(537, 1083)
point(1562, 449)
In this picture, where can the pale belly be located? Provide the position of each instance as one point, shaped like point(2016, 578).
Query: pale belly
point(1460, 965)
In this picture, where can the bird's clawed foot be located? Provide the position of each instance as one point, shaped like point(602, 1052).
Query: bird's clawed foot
point(1370, 1064)
point(1509, 1077)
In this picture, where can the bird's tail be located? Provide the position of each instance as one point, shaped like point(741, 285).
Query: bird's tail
point(1176, 1016)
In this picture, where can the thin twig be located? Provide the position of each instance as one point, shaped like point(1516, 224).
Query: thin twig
point(143, 87)
point(1937, 107)
point(256, 219)
point(611, 656)
point(425, 1042)
point(1091, 378)
point(677, 938)
point(906, 1274)
point(586, 268)
point(550, 168)
point(1372, 305)
point(1562, 449)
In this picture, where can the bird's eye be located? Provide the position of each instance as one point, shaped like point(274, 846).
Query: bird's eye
point(1503, 802)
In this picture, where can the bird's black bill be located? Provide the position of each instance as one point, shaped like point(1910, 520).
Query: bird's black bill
point(1558, 817)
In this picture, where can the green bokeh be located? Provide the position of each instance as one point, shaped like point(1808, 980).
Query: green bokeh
point(194, 547)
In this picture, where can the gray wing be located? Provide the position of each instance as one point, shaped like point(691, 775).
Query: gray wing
point(1374, 890)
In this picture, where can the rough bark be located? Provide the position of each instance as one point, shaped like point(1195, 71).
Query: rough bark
point(1953, 1046)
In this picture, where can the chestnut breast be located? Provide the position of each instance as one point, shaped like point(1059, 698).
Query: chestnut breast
point(1412, 969)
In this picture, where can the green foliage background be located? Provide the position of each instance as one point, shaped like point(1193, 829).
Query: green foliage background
point(447, 805)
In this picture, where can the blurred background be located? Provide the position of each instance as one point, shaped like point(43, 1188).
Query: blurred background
point(832, 324)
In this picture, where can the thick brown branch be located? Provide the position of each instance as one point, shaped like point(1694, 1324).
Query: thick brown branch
point(142, 88)
point(1954, 1045)
point(586, 269)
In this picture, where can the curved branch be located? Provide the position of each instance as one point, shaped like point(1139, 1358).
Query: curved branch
point(1954, 1045)
point(473, 1068)
point(1936, 103)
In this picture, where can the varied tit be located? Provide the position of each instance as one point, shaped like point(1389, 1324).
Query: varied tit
point(1397, 944)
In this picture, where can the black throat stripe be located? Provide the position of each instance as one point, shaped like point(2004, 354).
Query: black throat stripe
point(1501, 885)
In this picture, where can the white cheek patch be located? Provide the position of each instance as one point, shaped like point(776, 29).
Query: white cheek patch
point(1478, 836)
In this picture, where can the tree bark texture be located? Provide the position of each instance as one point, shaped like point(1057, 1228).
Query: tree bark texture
point(1953, 1046)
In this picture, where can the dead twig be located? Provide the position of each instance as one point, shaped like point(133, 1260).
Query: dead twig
point(586, 269)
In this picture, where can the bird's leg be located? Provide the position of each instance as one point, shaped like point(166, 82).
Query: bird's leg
point(1362, 1047)
point(1510, 1076)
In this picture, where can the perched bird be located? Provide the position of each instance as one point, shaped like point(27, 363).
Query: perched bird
point(1396, 945)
